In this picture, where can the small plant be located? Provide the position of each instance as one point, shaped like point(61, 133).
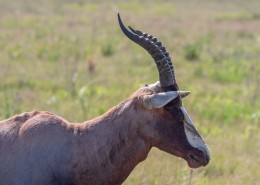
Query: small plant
point(192, 51)
point(81, 98)
point(107, 49)
point(15, 53)
point(6, 105)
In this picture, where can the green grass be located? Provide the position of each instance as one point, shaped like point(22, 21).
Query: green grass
point(46, 47)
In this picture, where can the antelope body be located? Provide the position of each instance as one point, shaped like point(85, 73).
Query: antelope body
point(41, 148)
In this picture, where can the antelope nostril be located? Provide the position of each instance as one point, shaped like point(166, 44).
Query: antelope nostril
point(205, 155)
point(207, 158)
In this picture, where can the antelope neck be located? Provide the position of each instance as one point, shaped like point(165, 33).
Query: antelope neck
point(116, 146)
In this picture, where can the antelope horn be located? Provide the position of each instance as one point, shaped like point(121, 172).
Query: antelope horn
point(156, 50)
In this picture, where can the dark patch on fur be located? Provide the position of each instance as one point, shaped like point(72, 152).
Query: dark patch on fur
point(58, 180)
point(116, 148)
point(112, 154)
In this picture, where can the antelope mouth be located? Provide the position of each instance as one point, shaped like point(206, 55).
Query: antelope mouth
point(196, 161)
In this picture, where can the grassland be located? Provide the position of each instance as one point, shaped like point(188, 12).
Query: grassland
point(70, 58)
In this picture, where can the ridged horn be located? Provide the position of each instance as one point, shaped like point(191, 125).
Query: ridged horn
point(156, 50)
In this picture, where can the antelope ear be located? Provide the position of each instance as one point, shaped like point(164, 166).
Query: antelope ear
point(184, 94)
point(160, 99)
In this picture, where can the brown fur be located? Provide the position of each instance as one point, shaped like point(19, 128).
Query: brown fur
point(42, 148)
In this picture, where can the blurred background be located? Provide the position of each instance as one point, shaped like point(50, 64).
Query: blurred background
point(70, 57)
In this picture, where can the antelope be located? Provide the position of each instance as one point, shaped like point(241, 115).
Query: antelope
point(41, 148)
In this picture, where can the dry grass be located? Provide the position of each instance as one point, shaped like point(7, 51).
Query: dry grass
point(70, 57)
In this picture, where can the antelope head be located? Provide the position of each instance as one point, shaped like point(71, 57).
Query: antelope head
point(169, 128)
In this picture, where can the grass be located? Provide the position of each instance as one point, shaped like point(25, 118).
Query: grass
point(45, 53)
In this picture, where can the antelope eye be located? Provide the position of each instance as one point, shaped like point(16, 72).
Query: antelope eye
point(180, 115)
point(172, 106)
point(176, 112)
